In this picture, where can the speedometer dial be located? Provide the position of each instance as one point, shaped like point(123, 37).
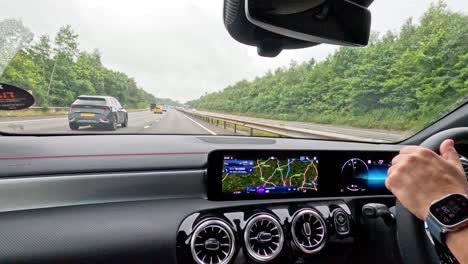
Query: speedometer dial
point(355, 173)
point(364, 173)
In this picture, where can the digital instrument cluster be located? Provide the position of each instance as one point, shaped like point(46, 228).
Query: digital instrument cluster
point(359, 175)
point(252, 174)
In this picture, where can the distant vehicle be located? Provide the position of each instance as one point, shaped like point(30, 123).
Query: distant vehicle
point(97, 111)
point(158, 110)
point(152, 106)
point(164, 108)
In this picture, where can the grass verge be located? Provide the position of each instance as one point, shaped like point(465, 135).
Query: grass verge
point(28, 112)
point(392, 122)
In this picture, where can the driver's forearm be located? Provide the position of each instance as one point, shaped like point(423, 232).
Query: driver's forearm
point(457, 242)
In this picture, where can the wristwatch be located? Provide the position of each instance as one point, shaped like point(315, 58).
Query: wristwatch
point(448, 214)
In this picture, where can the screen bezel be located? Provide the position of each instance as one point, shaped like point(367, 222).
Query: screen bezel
point(329, 172)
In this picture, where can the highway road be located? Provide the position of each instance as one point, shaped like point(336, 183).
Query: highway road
point(176, 122)
point(171, 122)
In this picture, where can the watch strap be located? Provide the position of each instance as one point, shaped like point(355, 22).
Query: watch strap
point(435, 229)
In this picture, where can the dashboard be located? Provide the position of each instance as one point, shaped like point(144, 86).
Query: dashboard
point(161, 199)
point(279, 233)
point(284, 232)
point(154, 198)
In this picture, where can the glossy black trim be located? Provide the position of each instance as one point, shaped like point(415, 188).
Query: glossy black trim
point(239, 216)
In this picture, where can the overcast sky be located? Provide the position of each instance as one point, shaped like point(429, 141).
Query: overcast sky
point(179, 48)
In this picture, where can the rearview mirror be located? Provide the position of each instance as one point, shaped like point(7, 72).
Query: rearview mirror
point(340, 22)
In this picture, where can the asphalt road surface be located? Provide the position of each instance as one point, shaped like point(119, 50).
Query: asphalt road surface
point(170, 122)
point(173, 122)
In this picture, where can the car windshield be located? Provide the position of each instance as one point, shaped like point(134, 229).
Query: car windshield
point(90, 101)
point(171, 67)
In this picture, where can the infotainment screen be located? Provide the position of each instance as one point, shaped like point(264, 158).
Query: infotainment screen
point(257, 174)
point(270, 175)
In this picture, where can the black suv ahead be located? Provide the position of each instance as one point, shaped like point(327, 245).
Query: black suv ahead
point(97, 111)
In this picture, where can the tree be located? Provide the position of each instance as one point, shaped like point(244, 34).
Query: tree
point(41, 53)
point(22, 72)
point(401, 80)
point(14, 36)
point(57, 71)
point(66, 49)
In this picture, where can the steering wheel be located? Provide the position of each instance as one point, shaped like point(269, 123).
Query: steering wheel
point(415, 247)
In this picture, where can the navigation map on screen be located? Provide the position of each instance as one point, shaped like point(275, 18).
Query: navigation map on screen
point(270, 175)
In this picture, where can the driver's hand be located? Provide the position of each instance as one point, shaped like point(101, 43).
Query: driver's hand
point(418, 176)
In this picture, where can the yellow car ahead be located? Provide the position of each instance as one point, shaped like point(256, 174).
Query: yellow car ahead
point(158, 110)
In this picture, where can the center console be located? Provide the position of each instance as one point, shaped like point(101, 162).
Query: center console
point(280, 233)
point(295, 231)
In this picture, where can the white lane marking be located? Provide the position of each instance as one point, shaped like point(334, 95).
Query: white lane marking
point(32, 120)
point(202, 126)
point(147, 126)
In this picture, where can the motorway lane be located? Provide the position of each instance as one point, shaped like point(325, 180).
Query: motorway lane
point(175, 122)
point(171, 122)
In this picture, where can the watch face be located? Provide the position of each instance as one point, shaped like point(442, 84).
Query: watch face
point(451, 210)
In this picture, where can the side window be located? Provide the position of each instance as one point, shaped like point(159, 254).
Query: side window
point(111, 101)
point(117, 103)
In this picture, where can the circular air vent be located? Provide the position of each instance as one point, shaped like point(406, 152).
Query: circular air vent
point(308, 231)
point(212, 242)
point(263, 237)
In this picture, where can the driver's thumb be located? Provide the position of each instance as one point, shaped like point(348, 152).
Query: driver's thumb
point(448, 151)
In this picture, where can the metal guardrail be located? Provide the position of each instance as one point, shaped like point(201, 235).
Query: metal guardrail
point(281, 131)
